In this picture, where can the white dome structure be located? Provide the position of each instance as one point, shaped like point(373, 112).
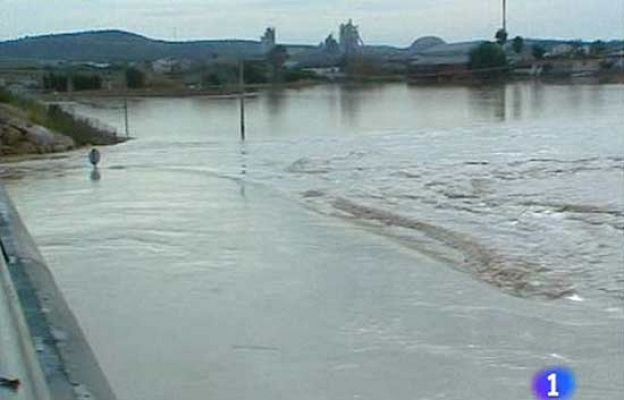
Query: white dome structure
point(424, 43)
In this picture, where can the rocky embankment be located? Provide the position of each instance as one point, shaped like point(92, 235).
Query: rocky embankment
point(19, 136)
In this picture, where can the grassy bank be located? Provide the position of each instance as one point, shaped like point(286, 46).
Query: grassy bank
point(81, 130)
point(217, 90)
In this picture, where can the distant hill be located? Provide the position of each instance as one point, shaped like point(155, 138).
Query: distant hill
point(113, 45)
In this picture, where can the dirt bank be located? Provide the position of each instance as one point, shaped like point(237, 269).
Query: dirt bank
point(19, 136)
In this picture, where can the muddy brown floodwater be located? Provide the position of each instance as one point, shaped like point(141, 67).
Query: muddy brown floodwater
point(375, 242)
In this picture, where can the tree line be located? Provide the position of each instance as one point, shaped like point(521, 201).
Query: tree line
point(61, 82)
point(491, 59)
point(64, 81)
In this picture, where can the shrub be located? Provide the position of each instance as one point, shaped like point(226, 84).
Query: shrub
point(211, 79)
point(56, 82)
point(488, 59)
point(87, 82)
point(501, 36)
point(294, 75)
point(255, 72)
point(518, 44)
point(538, 51)
point(135, 78)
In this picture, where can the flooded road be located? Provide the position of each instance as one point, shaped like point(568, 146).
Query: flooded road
point(364, 243)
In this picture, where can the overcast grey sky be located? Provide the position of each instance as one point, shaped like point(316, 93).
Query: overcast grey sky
point(396, 22)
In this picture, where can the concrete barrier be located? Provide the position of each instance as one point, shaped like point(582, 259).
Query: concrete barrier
point(18, 359)
point(64, 357)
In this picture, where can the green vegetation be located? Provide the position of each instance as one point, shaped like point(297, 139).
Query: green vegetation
point(56, 82)
point(501, 36)
point(578, 51)
point(135, 78)
point(56, 119)
point(488, 60)
point(211, 79)
point(517, 44)
point(277, 58)
point(256, 72)
point(27, 105)
point(60, 82)
point(295, 75)
point(86, 82)
point(538, 51)
point(597, 48)
point(227, 74)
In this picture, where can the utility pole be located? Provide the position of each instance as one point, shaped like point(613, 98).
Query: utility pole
point(241, 84)
point(70, 82)
point(505, 15)
point(125, 105)
point(126, 116)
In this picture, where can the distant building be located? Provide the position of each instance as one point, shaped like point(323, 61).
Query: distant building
point(98, 65)
point(573, 67)
point(442, 62)
point(616, 58)
point(89, 64)
point(423, 43)
point(268, 40)
point(560, 50)
point(314, 58)
point(164, 65)
point(331, 45)
point(330, 73)
point(349, 40)
point(170, 65)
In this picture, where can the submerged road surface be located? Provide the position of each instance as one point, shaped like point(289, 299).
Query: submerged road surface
point(247, 295)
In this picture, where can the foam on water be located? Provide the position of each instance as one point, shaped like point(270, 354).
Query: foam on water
point(548, 226)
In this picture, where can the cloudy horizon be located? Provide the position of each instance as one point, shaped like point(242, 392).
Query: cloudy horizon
point(393, 22)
